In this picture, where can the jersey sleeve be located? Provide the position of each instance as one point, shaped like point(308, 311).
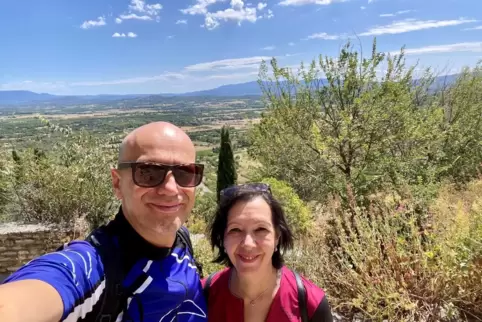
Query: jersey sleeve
point(76, 272)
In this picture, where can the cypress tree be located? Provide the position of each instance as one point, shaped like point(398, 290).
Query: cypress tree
point(226, 164)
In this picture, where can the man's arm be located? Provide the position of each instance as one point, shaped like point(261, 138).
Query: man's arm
point(59, 286)
point(30, 300)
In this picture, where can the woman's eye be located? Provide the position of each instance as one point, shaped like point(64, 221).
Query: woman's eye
point(261, 229)
point(235, 230)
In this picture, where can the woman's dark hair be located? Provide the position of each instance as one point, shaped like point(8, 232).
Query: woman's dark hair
point(220, 221)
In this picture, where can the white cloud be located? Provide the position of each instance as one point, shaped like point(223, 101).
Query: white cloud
point(134, 80)
point(148, 11)
point(170, 37)
point(238, 15)
point(458, 47)
point(268, 48)
point(363, 7)
point(474, 28)
point(166, 76)
point(200, 7)
point(93, 23)
point(325, 36)
point(227, 71)
point(231, 76)
point(409, 25)
point(142, 7)
point(234, 63)
point(291, 55)
point(261, 6)
point(401, 12)
point(291, 44)
point(269, 14)
point(237, 4)
point(238, 12)
point(123, 35)
point(39, 87)
point(305, 2)
point(235, 67)
point(135, 17)
point(181, 22)
point(210, 23)
point(397, 27)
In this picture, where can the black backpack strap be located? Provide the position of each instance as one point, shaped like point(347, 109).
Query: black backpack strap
point(114, 297)
point(207, 285)
point(302, 301)
point(323, 312)
point(183, 234)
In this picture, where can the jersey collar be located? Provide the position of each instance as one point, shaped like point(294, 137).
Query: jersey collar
point(132, 244)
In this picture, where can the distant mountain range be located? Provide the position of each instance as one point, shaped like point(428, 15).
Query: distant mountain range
point(18, 98)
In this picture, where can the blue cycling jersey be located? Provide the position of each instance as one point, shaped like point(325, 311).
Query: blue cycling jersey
point(171, 292)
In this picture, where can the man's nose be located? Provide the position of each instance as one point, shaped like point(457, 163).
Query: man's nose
point(169, 186)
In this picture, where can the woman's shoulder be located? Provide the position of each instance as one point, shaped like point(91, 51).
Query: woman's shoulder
point(215, 279)
point(315, 296)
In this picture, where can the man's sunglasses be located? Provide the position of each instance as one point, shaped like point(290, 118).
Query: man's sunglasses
point(150, 174)
point(247, 187)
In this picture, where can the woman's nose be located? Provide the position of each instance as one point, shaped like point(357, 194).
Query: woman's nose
point(249, 241)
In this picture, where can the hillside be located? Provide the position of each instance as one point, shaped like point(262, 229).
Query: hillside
point(19, 98)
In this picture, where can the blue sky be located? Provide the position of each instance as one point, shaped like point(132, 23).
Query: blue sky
point(169, 46)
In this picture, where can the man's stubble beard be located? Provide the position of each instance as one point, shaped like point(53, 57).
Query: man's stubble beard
point(167, 225)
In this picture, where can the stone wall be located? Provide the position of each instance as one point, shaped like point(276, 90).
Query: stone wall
point(21, 243)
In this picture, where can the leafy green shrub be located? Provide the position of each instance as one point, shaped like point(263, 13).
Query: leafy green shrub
point(203, 211)
point(337, 123)
point(297, 213)
point(461, 141)
point(205, 255)
point(69, 181)
point(5, 191)
point(378, 262)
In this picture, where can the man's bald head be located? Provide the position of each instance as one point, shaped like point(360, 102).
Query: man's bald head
point(155, 135)
point(155, 212)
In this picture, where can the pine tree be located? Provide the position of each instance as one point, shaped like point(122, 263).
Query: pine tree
point(226, 164)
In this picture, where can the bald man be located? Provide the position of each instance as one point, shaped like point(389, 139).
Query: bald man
point(138, 267)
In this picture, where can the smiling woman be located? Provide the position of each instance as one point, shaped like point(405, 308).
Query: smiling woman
point(251, 234)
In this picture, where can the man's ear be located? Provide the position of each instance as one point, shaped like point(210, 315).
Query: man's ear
point(116, 182)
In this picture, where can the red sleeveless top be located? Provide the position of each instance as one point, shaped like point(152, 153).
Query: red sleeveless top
point(224, 306)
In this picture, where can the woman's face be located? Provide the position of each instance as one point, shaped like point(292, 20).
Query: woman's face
point(250, 238)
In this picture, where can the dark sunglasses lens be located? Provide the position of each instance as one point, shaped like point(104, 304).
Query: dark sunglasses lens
point(149, 175)
point(188, 175)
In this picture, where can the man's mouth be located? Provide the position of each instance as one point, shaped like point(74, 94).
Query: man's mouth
point(168, 208)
